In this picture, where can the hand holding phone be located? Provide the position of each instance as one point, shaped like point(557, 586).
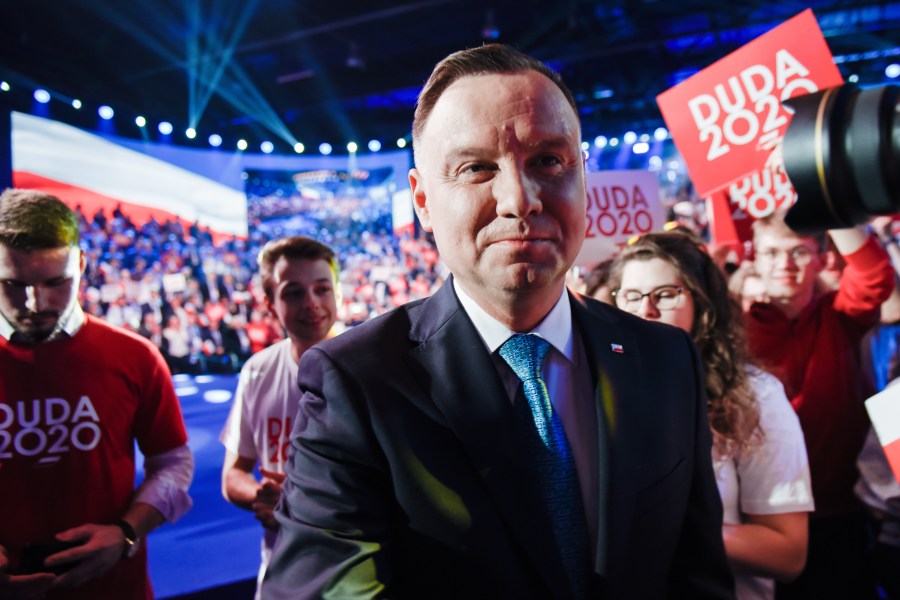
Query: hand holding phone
point(34, 554)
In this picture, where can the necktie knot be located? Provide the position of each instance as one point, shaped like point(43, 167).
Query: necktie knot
point(525, 353)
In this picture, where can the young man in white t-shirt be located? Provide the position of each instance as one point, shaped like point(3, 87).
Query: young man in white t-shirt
point(300, 280)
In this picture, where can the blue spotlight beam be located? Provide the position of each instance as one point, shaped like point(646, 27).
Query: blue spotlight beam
point(206, 67)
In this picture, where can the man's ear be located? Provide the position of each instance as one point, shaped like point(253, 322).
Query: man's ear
point(82, 261)
point(420, 202)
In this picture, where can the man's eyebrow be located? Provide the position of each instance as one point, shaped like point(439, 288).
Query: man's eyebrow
point(471, 152)
point(300, 283)
point(554, 143)
point(52, 280)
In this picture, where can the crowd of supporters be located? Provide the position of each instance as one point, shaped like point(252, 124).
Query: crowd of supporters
point(201, 301)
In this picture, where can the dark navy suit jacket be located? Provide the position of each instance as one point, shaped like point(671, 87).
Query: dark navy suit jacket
point(406, 479)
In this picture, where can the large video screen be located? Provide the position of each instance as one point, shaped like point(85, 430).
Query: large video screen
point(334, 206)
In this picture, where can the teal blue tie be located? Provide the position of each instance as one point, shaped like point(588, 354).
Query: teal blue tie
point(551, 456)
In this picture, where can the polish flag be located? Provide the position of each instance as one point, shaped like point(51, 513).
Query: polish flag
point(884, 412)
point(80, 167)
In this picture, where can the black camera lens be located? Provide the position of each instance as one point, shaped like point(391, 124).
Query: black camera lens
point(842, 155)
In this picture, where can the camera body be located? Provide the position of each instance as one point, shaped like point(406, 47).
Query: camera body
point(842, 154)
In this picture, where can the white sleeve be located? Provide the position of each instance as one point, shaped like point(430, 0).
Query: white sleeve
point(237, 434)
point(167, 477)
point(774, 475)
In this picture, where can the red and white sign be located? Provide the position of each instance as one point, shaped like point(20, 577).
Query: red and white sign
point(620, 205)
point(403, 214)
point(884, 412)
point(726, 119)
point(763, 192)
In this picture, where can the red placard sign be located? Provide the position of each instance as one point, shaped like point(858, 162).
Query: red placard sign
point(726, 119)
point(620, 205)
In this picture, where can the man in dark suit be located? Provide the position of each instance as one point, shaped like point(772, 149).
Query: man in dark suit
point(413, 472)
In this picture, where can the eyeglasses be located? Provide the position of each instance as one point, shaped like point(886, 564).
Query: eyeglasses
point(665, 297)
point(799, 255)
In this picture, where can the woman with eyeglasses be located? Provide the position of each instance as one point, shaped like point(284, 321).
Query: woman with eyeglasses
point(759, 455)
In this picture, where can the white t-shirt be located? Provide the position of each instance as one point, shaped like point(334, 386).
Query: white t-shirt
point(771, 478)
point(262, 416)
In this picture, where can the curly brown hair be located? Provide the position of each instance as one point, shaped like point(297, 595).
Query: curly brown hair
point(717, 331)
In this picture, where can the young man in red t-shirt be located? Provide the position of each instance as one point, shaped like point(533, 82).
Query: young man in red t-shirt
point(75, 395)
point(810, 340)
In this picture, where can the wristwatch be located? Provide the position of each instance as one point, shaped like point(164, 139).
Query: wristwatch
point(132, 541)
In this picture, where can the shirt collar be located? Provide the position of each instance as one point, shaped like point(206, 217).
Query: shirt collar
point(556, 327)
point(68, 325)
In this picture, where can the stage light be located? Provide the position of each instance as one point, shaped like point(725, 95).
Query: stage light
point(215, 140)
point(42, 96)
point(892, 70)
point(76, 103)
point(299, 148)
point(242, 144)
point(325, 148)
point(655, 163)
point(614, 142)
point(4, 86)
point(600, 141)
point(630, 137)
point(674, 164)
point(190, 133)
point(401, 143)
point(489, 31)
point(267, 147)
point(585, 146)
point(374, 145)
point(853, 78)
point(660, 134)
point(352, 147)
point(165, 127)
point(671, 176)
point(641, 148)
point(645, 137)
point(106, 112)
point(140, 121)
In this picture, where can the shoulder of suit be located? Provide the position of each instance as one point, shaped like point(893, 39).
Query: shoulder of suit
point(392, 326)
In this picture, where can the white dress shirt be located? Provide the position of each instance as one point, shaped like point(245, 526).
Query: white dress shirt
point(567, 374)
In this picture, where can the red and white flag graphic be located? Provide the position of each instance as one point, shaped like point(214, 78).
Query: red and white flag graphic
point(884, 411)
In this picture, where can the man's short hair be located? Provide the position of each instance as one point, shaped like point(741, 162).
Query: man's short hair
point(34, 220)
point(297, 246)
point(775, 224)
point(484, 60)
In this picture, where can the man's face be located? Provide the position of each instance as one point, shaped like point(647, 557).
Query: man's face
point(38, 287)
point(303, 298)
point(500, 182)
point(786, 263)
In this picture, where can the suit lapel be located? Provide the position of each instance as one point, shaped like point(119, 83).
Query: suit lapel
point(614, 355)
point(456, 371)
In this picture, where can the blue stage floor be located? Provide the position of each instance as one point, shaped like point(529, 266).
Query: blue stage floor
point(214, 544)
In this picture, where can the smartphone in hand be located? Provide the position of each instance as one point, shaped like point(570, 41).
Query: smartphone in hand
point(33, 556)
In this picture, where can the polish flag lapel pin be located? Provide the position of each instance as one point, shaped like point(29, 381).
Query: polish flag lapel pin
point(617, 348)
